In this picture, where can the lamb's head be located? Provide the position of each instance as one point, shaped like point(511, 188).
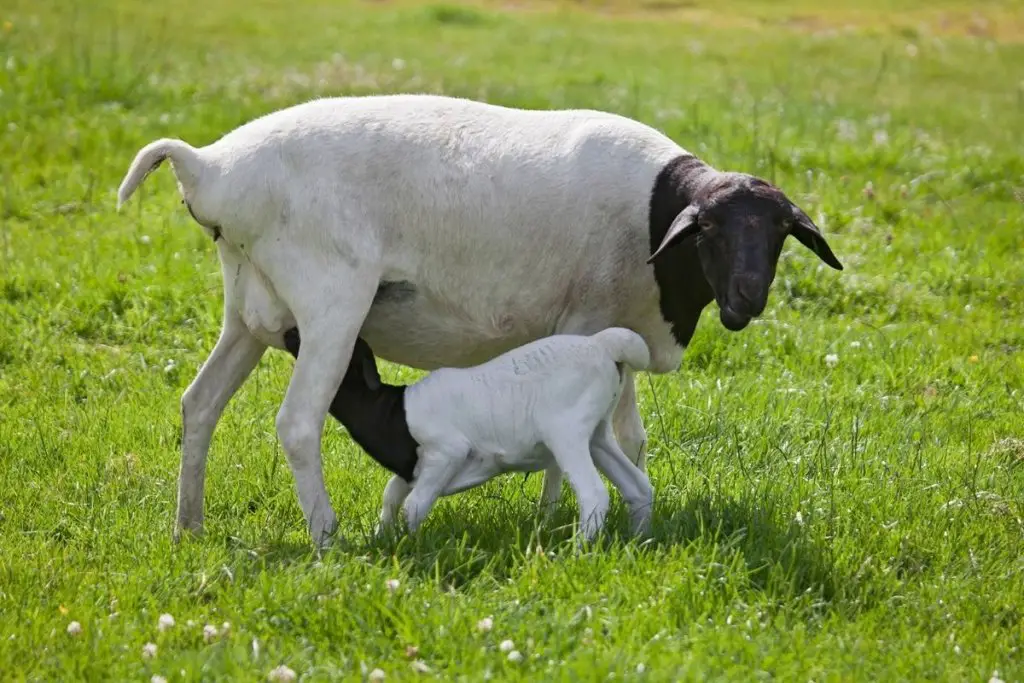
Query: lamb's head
point(738, 224)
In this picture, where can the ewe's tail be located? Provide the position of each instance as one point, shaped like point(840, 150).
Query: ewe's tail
point(625, 346)
point(184, 159)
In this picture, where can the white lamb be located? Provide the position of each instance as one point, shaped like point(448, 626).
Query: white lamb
point(548, 403)
point(445, 232)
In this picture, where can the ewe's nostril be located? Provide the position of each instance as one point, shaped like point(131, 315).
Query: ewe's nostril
point(750, 294)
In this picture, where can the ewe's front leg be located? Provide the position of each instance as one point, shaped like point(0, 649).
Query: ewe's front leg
point(235, 355)
point(629, 426)
point(329, 304)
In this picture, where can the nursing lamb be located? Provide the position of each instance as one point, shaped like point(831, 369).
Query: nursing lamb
point(545, 404)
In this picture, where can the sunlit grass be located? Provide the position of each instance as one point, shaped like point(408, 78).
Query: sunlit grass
point(839, 486)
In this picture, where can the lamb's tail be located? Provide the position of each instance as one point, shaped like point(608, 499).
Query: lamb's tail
point(625, 346)
point(184, 158)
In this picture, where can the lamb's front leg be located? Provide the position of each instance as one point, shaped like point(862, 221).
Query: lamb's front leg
point(436, 469)
point(232, 360)
point(395, 494)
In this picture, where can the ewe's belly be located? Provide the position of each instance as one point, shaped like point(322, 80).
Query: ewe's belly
point(409, 327)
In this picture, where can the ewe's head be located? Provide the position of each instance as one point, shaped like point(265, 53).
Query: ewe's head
point(738, 224)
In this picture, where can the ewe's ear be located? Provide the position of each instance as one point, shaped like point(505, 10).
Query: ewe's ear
point(807, 232)
point(367, 364)
point(682, 227)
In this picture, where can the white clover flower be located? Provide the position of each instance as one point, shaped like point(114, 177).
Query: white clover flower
point(515, 656)
point(165, 622)
point(506, 646)
point(846, 129)
point(209, 632)
point(831, 360)
point(149, 651)
point(485, 625)
point(376, 675)
point(156, 678)
point(74, 628)
point(281, 674)
point(392, 584)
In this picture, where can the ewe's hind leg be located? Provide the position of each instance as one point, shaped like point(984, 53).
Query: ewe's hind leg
point(632, 483)
point(235, 355)
point(329, 302)
point(629, 427)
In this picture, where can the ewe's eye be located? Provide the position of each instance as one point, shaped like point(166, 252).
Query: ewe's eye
point(705, 225)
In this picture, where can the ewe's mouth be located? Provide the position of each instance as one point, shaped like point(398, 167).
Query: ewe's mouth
point(733, 320)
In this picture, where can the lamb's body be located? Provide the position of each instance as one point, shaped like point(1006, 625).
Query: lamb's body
point(547, 404)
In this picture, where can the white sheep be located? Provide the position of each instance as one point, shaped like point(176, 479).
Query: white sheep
point(446, 231)
point(545, 404)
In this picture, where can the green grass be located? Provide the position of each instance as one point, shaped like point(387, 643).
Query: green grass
point(855, 521)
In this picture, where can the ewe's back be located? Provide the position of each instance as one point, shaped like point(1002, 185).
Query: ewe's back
point(460, 158)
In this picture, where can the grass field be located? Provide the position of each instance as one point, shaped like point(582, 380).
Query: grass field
point(840, 486)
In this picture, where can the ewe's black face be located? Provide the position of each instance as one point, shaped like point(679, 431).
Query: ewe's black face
point(739, 224)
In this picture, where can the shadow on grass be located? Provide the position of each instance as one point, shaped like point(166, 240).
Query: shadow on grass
point(491, 538)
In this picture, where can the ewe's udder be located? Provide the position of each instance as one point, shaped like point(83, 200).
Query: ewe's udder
point(263, 313)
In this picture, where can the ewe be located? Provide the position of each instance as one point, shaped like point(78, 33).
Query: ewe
point(445, 232)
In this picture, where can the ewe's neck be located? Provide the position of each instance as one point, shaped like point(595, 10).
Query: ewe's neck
point(376, 421)
point(684, 291)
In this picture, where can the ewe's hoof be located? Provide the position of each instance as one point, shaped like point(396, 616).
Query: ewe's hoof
point(323, 531)
point(194, 531)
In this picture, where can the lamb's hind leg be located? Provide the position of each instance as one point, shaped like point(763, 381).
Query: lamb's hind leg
point(631, 482)
point(552, 490)
point(572, 453)
point(232, 360)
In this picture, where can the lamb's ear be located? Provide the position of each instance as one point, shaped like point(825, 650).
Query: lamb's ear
point(807, 232)
point(363, 355)
point(682, 227)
